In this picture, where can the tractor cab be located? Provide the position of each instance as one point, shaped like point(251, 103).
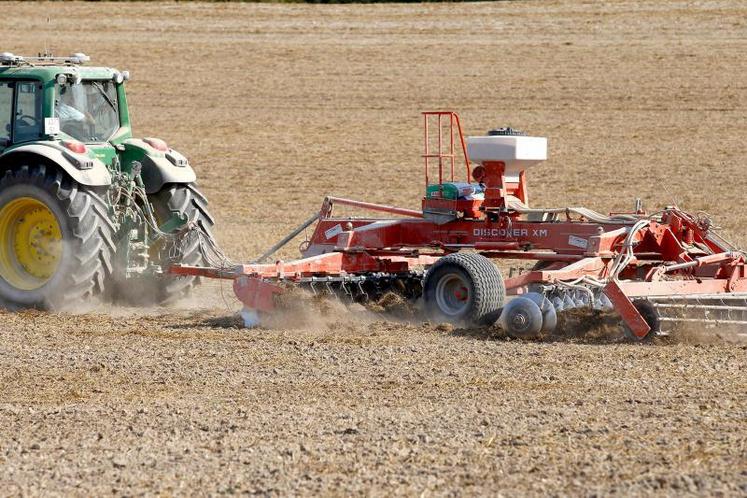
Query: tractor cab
point(496, 183)
point(56, 98)
point(77, 116)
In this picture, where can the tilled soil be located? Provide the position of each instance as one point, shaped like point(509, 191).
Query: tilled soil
point(278, 105)
point(188, 402)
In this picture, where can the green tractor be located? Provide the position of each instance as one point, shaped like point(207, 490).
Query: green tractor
point(86, 210)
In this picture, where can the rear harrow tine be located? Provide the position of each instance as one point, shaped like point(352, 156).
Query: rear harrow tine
point(364, 294)
point(710, 310)
point(700, 320)
point(329, 288)
point(700, 306)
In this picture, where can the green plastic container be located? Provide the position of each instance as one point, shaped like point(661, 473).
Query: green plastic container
point(452, 190)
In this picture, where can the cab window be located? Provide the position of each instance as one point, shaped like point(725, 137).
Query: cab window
point(28, 117)
point(6, 113)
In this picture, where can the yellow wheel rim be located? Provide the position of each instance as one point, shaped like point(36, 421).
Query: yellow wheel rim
point(30, 243)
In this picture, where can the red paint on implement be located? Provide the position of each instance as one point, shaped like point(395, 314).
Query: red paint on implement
point(676, 254)
point(255, 293)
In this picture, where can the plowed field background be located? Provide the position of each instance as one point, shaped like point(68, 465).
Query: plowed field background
point(278, 105)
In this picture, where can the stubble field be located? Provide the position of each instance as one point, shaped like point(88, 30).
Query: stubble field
point(278, 105)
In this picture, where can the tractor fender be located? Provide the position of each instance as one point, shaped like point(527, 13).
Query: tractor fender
point(158, 167)
point(83, 169)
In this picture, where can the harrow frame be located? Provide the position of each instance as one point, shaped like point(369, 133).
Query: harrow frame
point(622, 260)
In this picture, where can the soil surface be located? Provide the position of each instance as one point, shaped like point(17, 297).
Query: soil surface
point(278, 105)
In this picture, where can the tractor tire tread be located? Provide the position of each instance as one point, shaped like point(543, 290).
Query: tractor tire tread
point(91, 257)
point(189, 201)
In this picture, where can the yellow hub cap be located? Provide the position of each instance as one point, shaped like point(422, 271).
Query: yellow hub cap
point(30, 243)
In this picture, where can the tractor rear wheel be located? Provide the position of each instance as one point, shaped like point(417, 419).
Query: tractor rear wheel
point(56, 241)
point(465, 289)
point(189, 246)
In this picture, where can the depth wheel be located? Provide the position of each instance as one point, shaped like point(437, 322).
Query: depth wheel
point(187, 249)
point(464, 289)
point(56, 241)
point(650, 315)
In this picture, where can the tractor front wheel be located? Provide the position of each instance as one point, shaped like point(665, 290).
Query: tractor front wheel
point(56, 241)
point(464, 289)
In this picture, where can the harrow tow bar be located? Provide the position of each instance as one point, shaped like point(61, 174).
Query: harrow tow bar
point(275, 248)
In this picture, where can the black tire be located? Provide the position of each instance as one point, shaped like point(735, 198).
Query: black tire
point(84, 262)
point(477, 287)
point(651, 317)
point(186, 200)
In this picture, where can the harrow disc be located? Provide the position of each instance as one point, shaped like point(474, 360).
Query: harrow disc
point(522, 318)
point(549, 313)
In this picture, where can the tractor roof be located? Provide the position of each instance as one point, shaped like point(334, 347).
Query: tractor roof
point(49, 73)
point(47, 67)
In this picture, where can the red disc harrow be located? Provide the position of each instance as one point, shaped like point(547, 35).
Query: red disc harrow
point(652, 269)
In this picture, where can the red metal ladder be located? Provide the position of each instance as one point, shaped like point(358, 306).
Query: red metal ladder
point(444, 156)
